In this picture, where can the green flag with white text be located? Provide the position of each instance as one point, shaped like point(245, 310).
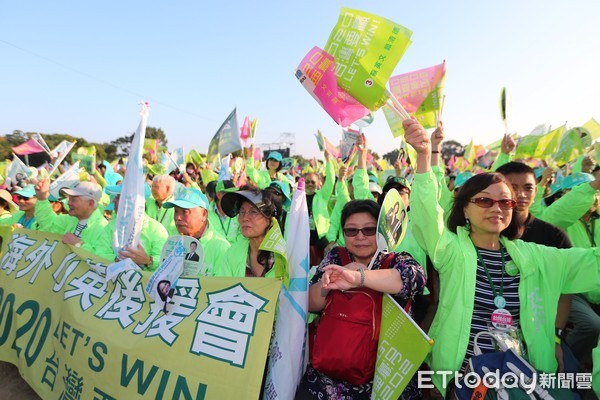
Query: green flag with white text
point(366, 49)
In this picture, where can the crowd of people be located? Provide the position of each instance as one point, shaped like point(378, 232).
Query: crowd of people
point(509, 251)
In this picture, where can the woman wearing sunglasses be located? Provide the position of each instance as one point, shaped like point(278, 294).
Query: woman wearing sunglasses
point(345, 269)
point(489, 280)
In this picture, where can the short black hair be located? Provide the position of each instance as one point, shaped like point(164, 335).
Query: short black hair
point(360, 206)
point(515, 167)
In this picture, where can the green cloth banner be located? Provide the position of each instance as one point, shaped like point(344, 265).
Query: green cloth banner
point(366, 49)
point(74, 335)
point(539, 146)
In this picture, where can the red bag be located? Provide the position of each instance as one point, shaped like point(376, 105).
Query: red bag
point(345, 345)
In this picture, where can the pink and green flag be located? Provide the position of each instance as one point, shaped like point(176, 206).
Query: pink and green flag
point(316, 73)
point(366, 49)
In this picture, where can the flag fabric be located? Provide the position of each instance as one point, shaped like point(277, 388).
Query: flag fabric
point(253, 126)
point(151, 148)
point(572, 144)
point(224, 171)
point(320, 143)
point(327, 145)
point(59, 153)
point(366, 49)
point(69, 179)
point(394, 121)
point(18, 172)
point(539, 143)
point(317, 74)
point(194, 157)
point(40, 140)
point(245, 131)
point(469, 154)
point(289, 349)
point(132, 204)
point(227, 139)
point(29, 147)
point(348, 145)
point(274, 243)
point(86, 157)
point(593, 127)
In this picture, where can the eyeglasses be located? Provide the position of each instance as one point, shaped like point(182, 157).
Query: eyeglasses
point(19, 197)
point(309, 182)
point(250, 213)
point(366, 231)
point(486, 202)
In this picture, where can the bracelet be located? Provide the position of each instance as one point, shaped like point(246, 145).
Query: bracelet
point(362, 277)
point(435, 151)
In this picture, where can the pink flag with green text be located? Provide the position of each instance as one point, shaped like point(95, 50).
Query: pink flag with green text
point(316, 73)
point(411, 89)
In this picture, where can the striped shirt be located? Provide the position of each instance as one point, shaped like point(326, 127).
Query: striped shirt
point(484, 297)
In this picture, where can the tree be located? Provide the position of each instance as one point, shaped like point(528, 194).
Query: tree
point(120, 146)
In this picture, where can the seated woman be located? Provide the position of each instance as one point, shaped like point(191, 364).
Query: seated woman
point(344, 269)
point(257, 210)
point(488, 280)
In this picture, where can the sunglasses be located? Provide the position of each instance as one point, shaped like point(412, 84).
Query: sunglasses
point(309, 182)
point(19, 197)
point(486, 202)
point(366, 231)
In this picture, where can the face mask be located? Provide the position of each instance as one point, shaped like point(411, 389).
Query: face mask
point(190, 171)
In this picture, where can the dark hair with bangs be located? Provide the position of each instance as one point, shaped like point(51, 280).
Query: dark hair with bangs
point(470, 188)
point(360, 206)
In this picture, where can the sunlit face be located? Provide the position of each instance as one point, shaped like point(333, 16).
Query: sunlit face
point(160, 191)
point(312, 182)
point(361, 246)
point(253, 223)
point(493, 219)
point(81, 207)
point(190, 221)
point(525, 189)
point(26, 203)
point(272, 164)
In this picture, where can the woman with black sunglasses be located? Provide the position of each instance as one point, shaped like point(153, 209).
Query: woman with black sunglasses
point(488, 280)
point(345, 269)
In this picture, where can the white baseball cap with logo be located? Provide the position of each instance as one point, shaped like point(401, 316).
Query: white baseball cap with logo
point(87, 189)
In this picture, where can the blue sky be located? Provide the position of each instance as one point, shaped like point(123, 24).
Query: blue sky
point(81, 67)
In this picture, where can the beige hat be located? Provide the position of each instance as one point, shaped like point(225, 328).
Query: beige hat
point(6, 196)
point(87, 189)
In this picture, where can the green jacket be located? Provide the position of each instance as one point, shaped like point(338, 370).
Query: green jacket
point(228, 227)
point(152, 239)
point(545, 274)
point(262, 179)
point(49, 221)
point(596, 370)
point(567, 210)
point(320, 213)
point(360, 182)
point(215, 248)
point(234, 262)
point(163, 215)
point(334, 233)
point(16, 219)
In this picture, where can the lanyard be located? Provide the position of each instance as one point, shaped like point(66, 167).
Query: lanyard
point(488, 274)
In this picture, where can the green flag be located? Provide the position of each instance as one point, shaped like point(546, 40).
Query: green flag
point(593, 127)
point(275, 243)
point(366, 49)
point(572, 144)
point(469, 154)
point(539, 145)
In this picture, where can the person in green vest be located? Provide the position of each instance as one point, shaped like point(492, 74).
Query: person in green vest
point(255, 211)
point(25, 216)
point(152, 238)
point(190, 213)
point(162, 188)
point(83, 225)
point(484, 273)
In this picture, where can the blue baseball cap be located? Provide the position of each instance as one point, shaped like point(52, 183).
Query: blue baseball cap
point(188, 198)
point(28, 191)
point(282, 189)
point(275, 155)
point(576, 179)
point(462, 178)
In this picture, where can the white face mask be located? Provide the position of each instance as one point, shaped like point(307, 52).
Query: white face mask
point(190, 171)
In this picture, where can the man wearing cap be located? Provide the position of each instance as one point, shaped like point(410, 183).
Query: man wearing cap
point(226, 226)
point(191, 219)
point(25, 217)
point(85, 222)
point(163, 187)
point(152, 239)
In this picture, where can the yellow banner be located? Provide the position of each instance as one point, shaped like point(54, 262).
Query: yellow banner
point(74, 335)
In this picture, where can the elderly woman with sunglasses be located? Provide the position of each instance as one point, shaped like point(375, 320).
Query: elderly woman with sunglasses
point(489, 280)
point(25, 216)
point(403, 278)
